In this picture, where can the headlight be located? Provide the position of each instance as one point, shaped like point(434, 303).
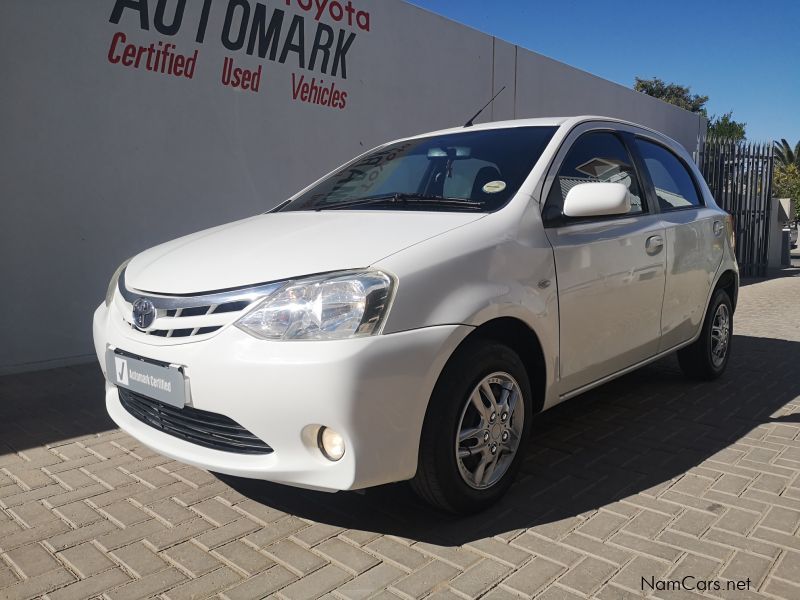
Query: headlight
point(328, 307)
point(112, 285)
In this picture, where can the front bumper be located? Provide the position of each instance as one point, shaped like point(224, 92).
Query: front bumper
point(373, 390)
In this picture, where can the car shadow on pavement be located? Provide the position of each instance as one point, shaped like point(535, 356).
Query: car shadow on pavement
point(633, 435)
point(47, 407)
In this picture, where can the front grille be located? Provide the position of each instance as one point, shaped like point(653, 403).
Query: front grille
point(213, 309)
point(194, 311)
point(200, 427)
point(187, 316)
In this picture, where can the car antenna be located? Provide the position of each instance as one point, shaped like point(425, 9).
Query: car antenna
point(475, 116)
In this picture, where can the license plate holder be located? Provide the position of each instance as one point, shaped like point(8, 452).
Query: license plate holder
point(160, 381)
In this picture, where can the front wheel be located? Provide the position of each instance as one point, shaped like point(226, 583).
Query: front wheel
point(478, 421)
point(706, 358)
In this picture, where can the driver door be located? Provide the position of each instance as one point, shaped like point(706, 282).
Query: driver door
point(610, 270)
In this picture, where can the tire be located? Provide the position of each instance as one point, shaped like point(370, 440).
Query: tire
point(454, 484)
point(704, 359)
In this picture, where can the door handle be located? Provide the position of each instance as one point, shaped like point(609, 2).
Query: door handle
point(718, 227)
point(654, 244)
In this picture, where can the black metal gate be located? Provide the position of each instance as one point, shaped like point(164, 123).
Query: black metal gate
point(740, 177)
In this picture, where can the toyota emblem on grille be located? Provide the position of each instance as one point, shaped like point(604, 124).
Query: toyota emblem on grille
point(144, 313)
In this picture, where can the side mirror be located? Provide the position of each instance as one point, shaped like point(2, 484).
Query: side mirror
point(597, 199)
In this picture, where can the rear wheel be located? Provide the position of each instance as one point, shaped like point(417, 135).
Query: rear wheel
point(477, 422)
point(707, 357)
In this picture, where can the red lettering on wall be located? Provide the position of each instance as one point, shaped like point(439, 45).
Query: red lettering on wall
point(317, 92)
point(160, 57)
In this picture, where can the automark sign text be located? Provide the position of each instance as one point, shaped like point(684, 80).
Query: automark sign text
point(318, 39)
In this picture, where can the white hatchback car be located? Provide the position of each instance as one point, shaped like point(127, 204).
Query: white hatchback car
point(407, 315)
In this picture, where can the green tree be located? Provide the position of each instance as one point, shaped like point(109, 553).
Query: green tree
point(674, 93)
point(725, 127)
point(786, 184)
point(785, 155)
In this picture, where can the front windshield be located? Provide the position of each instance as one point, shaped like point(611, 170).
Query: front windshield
point(476, 170)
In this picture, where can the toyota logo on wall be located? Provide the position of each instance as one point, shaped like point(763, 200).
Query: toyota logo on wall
point(144, 313)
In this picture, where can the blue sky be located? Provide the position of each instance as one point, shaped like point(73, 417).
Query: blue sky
point(744, 55)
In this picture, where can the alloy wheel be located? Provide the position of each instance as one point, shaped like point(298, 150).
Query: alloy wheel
point(489, 430)
point(720, 334)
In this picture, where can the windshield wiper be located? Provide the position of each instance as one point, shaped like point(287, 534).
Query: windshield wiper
point(405, 198)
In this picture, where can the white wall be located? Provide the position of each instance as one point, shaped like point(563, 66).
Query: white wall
point(99, 161)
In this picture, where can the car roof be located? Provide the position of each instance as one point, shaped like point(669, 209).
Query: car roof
point(536, 122)
point(568, 122)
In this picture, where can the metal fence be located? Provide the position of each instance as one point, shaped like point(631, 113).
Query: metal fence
point(740, 177)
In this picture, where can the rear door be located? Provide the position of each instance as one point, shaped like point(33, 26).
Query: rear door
point(610, 270)
point(694, 238)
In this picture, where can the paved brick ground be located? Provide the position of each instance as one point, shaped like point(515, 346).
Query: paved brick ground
point(649, 476)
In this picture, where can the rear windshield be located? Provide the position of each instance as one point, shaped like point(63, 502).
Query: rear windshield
point(476, 170)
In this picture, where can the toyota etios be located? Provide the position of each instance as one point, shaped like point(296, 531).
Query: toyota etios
point(407, 315)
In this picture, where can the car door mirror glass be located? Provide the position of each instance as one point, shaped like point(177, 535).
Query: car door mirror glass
point(597, 199)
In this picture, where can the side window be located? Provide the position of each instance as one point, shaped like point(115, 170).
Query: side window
point(594, 157)
point(674, 185)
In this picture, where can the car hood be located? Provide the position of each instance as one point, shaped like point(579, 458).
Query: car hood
point(282, 245)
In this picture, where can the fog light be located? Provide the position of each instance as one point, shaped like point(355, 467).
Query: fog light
point(330, 443)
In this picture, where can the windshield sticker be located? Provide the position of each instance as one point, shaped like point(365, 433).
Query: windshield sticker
point(494, 186)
